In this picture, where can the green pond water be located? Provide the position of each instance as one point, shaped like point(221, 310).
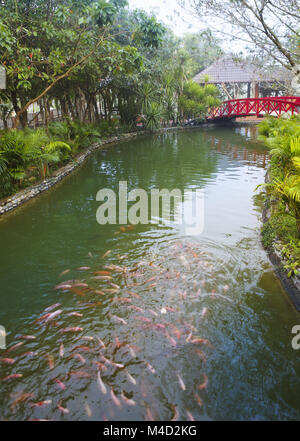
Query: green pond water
point(218, 286)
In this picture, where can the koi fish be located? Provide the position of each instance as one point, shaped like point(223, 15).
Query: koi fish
point(150, 280)
point(204, 384)
point(137, 308)
point(41, 403)
point(130, 378)
point(101, 293)
point(50, 308)
point(198, 399)
point(52, 315)
point(201, 355)
point(119, 319)
point(102, 273)
point(102, 277)
point(114, 398)
point(81, 347)
point(201, 340)
point(20, 398)
point(62, 409)
point(12, 348)
point(80, 285)
point(150, 368)
point(121, 300)
point(12, 377)
point(61, 350)
point(181, 383)
point(203, 312)
point(7, 360)
point(171, 340)
point(106, 254)
point(143, 319)
point(63, 286)
point(101, 343)
point(159, 326)
point(127, 400)
point(115, 286)
point(27, 337)
point(83, 268)
point(87, 338)
point(80, 358)
point(168, 308)
point(101, 366)
point(75, 314)
point(175, 413)
point(76, 329)
point(189, 415)
point(149, 416)
point(101, 384)
point(60, 384)
point(153, 312)
point(133, 294)
point(50, 359)
point(88, 410)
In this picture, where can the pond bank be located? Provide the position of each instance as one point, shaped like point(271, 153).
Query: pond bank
point(274, 250)
point(19, 198)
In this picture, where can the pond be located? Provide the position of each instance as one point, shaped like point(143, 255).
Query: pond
point(167, 326)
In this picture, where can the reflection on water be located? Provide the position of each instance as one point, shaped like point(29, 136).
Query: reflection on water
point(163, 326)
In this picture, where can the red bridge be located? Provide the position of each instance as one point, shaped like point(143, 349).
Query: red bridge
point(275, 106)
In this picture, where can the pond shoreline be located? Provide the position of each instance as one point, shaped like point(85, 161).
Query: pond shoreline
point(17, 199)
point(290, 284)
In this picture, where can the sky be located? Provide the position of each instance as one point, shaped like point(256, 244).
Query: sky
point(169, 12)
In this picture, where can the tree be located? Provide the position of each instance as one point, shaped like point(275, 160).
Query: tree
point(269, 25)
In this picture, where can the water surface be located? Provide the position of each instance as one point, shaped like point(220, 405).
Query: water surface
point(218, 286)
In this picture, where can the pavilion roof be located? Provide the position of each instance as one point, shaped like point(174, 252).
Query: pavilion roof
point(230, 69)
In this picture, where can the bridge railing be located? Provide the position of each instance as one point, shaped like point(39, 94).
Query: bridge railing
point(255, 106)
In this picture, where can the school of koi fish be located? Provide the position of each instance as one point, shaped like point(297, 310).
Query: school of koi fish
point(91, 344)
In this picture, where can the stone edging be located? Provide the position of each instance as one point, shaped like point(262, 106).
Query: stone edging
point(25, 195)
point(290, 284)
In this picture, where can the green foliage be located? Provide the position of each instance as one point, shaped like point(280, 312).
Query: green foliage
point(196, 100)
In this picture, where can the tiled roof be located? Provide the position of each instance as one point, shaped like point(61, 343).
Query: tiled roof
point(233, 70)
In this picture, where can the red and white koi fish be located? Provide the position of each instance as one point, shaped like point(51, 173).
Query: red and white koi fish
point(12, 348)
point(102, 278)
point(74, 314)
point(114, 398)
point(181, 383)
point(151, 368)
point(7, 360)
point(101, 384)
point(12, 377)
point(29, 354)
point(50, 308)
point(137, 308)
point(189, 415)
point(130, 378)
point(76, 329)
point(81, 348)
point(83, 268)
point(80, 285)
point(61, 350)
point(127, 400)
point(41, 403)
point(119, 319)
point(159, 326)
point(52, 315)
point(115, 286)
point(62, 409)
point(63, 287)
point(101, 293)
point(171, 340)
point(27, 337)
point(204, 384)
point(60, 384)
point(203, 341)
point(143, 319)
